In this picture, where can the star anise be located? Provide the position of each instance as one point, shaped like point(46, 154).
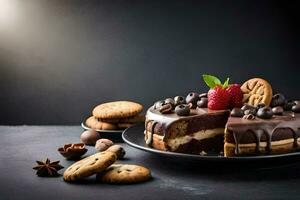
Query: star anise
point(47, 168)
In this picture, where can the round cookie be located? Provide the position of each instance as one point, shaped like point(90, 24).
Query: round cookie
point(257, 91)
point(88, 166)
point(123, 173)
point(117, 109)
point(93, 123)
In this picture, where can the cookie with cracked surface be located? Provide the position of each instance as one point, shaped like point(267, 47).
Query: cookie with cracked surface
point(117, 109)
point(90, 165)
point(124, 174)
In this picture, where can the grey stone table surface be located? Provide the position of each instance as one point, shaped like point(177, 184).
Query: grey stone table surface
point(21, 146)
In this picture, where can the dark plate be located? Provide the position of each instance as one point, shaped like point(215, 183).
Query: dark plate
point(114, 135)
point(134, 136)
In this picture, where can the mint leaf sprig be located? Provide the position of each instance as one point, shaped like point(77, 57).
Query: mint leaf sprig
point(212, 81)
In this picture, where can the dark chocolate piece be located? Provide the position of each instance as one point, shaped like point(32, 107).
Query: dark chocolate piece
point(249, 117)
point(202, 103)
point(182, 110)
point(278, 110)
point(248, 107)
point(170, 101)
point(260, 105)
point(165, 108)
point(203, 95)
point(265, 113)
point(288, 105)
point(179, 100)
point(277, 100)
point(236, 112)
point(158, 104)
point(250, 111)
point(192, 98)
point(296, 108)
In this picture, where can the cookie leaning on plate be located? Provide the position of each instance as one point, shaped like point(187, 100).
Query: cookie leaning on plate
point(117, 109)
point(88, 166)
point(124, 173)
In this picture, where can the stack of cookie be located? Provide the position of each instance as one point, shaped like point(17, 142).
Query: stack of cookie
point(115, 115)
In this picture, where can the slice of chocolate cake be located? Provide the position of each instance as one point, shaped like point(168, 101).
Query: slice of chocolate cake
point(257, 136)
point(199, 131)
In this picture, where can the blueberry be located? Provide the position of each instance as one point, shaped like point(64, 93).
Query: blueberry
point(277, 100)
point(278, 110)
point(236, 112)
point(265, 113)
point(182, 110)
point(179, 100)
point(170, 101)
point(192, 98)
point(296, 108)
point(202, 103)
point(288, 105)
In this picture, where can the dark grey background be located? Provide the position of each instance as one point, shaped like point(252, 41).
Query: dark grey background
point(60, 58)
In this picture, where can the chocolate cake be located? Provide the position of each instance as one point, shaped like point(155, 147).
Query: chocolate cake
point(262, 136)
point(237, 120)
point(199, 131)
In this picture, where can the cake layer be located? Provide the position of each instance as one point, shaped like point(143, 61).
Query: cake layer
point(173, 144)
point(278, 147)
point(172, 125)
point(261, 133)
point(191, 145)
point(202, 130)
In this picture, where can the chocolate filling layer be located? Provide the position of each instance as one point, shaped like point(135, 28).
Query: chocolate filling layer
point(197, 146)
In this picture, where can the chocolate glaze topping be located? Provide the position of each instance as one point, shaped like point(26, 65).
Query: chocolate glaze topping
point(264, 130)
point(239, 130)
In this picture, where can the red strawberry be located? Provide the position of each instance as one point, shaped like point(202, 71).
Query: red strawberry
point(218, 98)
point(236, 96)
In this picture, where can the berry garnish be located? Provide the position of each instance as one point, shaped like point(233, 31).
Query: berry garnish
point(218, 97)
point(236, 96)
